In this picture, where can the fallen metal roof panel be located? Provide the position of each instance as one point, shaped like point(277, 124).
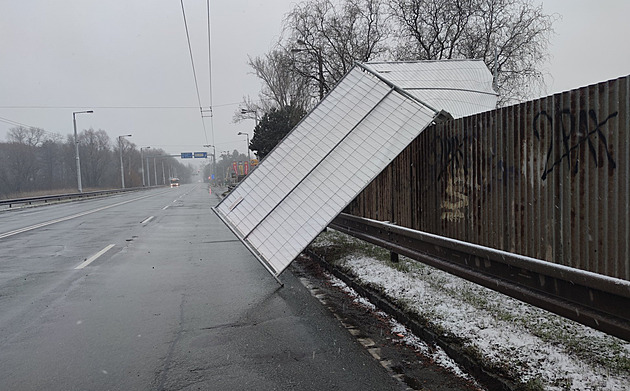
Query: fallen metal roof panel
point(370, 116)
point(460, 87)
point(322, 164)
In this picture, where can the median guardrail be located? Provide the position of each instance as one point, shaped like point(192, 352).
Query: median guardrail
point(13, 202)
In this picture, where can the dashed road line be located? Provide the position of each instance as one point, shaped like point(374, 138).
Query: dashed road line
point(44, 224)
point(94, 257)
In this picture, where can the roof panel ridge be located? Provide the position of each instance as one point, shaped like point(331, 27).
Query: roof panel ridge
point(393, 85)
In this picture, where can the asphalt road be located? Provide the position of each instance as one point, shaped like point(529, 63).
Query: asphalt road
point(173, 302)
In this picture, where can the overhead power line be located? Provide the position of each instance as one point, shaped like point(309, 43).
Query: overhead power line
point(115, 107)
point(192, 62)
point(12, 122)
point(210, 71)
point(16, 123)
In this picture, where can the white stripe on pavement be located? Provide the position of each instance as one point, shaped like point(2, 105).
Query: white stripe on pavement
point(40, 225)
point(94, 257)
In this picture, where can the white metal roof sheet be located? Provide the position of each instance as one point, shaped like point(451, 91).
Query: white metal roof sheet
point(372, 114)
point(460, 87)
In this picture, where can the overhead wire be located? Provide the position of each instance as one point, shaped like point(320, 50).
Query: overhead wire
point(115, 107)
point(12, 122)
point(16, 123)
point(210, 72)
point(194, 71)
point(192, 62)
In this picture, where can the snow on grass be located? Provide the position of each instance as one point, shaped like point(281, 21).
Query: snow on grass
point(535, 347)
point(435, 353)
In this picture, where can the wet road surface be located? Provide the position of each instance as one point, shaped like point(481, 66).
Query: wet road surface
point(150, 291)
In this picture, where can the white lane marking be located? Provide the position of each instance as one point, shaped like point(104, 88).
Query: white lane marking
point(94, 257)
point(40, 225)
point(166, 207)
point(147, 219)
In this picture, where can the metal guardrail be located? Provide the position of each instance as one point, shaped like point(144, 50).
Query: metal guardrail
point(60, 197)
point(594, 300)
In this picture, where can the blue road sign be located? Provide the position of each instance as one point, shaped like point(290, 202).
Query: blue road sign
point(201, 155)
point(187, 155)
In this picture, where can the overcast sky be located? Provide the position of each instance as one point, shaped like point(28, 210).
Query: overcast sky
point(128, 61)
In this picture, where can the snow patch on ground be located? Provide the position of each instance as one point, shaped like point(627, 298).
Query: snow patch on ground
point(435, 353)
point(534, 345)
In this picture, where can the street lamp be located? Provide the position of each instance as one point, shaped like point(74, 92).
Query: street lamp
point(76, 147)
point(120, 147)
point(246, 134)
point(255, 112)
point(142, 164)
point(214, 160)
point(155, 170)
point(154, 167)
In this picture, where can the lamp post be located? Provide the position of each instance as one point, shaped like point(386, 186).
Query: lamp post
point(246, 134)
point(148, 173)
point(120, 147)
point(214, 160)
point(76, 147)
point(255, 112)
point(155, 170)
point(142, 164)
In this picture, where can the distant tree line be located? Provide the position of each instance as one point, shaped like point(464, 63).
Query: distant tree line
point(33, 161)
point(322, 40)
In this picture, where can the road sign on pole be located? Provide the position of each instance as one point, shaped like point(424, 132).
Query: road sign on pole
point(187, 155)
point(201, 155)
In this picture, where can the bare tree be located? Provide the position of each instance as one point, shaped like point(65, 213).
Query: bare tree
point(96, 156)
point(328, 38)
point(34, 160)
point(510, 36)
point(50, 160)
point(430, 30)
point(282, 85)
point(27, 136)
point(20, 165)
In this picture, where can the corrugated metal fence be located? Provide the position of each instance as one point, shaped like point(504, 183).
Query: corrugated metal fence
point(546, 178)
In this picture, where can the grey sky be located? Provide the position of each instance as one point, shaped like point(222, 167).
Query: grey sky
point(111, 55)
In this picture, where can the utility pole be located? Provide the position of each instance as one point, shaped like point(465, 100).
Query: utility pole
point(76, 148)
point(120, 148)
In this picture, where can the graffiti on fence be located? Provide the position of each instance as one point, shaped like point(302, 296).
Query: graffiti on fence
point(455, 201)
point(449, 153)
point(588, 127)
point(452, 168)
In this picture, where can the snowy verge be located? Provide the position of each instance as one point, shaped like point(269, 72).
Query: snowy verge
point(537, 349)
point(435, 353)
